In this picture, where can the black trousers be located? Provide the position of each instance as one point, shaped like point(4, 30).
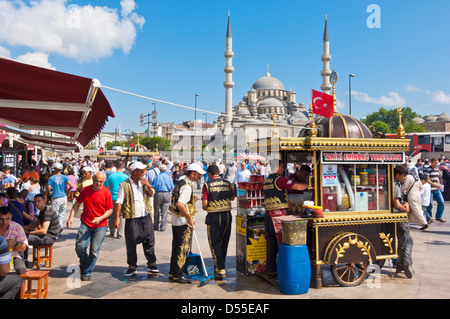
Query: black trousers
point(271, 245)
point(140, 231)
point(182, 236)
point(219, 231)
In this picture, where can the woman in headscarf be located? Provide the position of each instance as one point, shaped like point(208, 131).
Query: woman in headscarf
point(412, 188)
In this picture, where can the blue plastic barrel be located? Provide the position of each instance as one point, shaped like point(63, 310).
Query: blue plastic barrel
point(293, 269)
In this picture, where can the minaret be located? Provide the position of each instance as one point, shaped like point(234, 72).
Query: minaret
point(326, 57)
point(228, 84)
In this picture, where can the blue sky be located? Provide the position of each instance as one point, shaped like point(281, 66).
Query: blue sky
point(171, 50)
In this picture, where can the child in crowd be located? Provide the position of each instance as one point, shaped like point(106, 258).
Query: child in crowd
point(426, 196)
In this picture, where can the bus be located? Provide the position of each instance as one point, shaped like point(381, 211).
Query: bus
point(433, 142)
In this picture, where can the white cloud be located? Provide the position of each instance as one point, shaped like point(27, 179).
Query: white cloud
point(393, 99)
point(440, 97)
point(412, 88)
point(340, 104)
point(83, 33)
point(37, 59)
point(4, 52)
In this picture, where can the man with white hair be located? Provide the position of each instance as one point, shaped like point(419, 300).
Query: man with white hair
point(97, 207)
point(163, 185)
point(57, 185)
point(134, 202)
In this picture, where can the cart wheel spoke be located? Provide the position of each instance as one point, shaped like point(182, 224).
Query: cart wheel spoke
point(350, 274)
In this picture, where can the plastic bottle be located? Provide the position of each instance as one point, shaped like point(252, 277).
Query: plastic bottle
point(11, 263)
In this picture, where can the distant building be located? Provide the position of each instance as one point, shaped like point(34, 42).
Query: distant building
point(435, 123)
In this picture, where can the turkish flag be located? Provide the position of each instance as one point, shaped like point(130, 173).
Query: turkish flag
point(131, 144)
point(323, 104)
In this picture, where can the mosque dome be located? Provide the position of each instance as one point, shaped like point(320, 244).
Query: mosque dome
point(431, 118)
point(268, 83)
point(443, 117)
point(271, 102)
point(341, 126)
point(298, 118)
point(418, 120)
point(242, 112)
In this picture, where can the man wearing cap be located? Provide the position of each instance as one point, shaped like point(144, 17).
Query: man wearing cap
point(10, 283)
point(134, 202)
point(163, 185)
point(57, 185)
point(183, 211)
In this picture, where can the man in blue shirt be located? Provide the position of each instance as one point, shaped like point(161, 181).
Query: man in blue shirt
point(153, 172)
point(57, 185)
point(163, 185)
point(113, 183)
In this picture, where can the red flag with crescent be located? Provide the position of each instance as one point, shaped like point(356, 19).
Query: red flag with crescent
point(131, 144)
point(323, 104)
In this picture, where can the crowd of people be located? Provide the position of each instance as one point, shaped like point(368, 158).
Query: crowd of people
point(416, 186)
point(130, 199)
point(133, 200)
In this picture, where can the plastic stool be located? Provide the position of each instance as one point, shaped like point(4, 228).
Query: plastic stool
point(41, 290)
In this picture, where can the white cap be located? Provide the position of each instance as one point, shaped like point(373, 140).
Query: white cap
point(58, 166)
point(197, 168)
point(137, 165)
point(88, 169)
point(163, 168)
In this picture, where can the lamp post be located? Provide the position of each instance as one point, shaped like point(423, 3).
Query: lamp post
point(153, 124)
point(350, 76)
point(195, 115)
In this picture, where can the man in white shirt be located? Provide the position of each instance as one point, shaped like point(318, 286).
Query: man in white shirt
point(134, 202)
point(183, 210)
point(242, 175)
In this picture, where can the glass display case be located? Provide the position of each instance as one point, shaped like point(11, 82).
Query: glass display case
point(355, 187)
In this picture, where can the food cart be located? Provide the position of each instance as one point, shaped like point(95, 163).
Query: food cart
point(352, 181)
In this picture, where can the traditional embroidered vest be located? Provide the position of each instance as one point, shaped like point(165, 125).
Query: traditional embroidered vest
point(176, 194)
point(128, 209)
point(219, 193)
point(274, 198)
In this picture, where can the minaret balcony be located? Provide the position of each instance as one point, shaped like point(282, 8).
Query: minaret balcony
point(228, 69)
point(228, 84)
point(229, 54)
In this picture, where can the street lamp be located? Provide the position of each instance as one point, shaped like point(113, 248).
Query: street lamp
point(350, 76)
point(195, 116)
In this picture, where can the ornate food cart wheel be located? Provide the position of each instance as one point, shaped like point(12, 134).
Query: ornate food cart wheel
point(349, 255)
point(349, 274)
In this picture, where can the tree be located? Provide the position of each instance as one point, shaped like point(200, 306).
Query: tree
point(386, 121)
point(164, 144)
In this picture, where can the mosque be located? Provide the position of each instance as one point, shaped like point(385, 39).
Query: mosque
point(267, 102)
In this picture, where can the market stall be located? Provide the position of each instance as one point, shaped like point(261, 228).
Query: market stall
point(351, 193)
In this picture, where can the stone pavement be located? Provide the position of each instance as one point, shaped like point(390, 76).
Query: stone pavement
point(431, 257)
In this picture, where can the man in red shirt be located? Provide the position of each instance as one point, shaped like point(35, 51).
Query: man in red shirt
point(97, 207)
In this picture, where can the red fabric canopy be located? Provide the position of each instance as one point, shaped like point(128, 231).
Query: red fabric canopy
point(34, 98)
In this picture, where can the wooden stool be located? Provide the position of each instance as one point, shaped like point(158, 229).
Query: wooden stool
point(47, 258)
point(41, 290)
